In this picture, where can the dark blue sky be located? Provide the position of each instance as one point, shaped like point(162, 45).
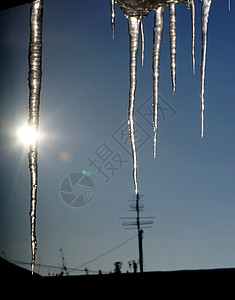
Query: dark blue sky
point(189, 188)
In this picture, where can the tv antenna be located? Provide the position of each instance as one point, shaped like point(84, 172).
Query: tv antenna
point(138, 223)
point(63, 268)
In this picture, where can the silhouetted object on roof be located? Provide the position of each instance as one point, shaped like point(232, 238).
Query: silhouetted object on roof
point(118, 266)
point(133, 263)
point(135, 266)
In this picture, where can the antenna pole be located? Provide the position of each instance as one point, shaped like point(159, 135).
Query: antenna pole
point(140, 234)
point(138, 223)
point(63, 264)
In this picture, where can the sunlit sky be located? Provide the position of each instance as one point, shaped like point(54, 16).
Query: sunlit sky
point(189, 188)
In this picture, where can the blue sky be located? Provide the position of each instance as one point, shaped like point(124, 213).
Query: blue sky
point(189, 188)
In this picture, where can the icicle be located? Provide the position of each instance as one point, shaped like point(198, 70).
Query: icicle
point(172, 33)
point(229, 5)
point(133, 27)
point(112, 4)
point(157, 39)
point(35, 61)
point(142, 40)
point(205, 16)
point(193, 33)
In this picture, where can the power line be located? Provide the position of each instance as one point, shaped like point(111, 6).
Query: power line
point(105, 253)
point(19, 262)
point(69, 270)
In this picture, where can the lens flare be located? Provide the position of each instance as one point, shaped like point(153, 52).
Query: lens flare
point(27, 135)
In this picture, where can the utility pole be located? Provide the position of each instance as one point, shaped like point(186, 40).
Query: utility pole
point(138, 222)
point(140, 237)
point(140, 234)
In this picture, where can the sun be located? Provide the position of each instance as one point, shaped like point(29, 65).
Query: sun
point(27, 135)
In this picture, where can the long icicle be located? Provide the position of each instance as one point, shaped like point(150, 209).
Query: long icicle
point(112, 4)
point(134, 28)
point(35, 72)
point(193, 33)
point(205, 16)
point(172, 34)
point(142, 40)
point(157, 40)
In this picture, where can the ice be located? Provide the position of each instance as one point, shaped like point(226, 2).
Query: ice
point(133, 28)
point(142, 41)
point(35, 71)
point(172, 34)
point(112, 4)
point(157, 40)
point(192, 6)
point(205, 16)
point(137, 8)
point(229, 5)
point(135, 11)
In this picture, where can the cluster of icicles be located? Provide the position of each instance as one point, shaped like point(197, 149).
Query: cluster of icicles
point(135, 11)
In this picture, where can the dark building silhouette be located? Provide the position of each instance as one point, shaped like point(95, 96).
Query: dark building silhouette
point(188, 284)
